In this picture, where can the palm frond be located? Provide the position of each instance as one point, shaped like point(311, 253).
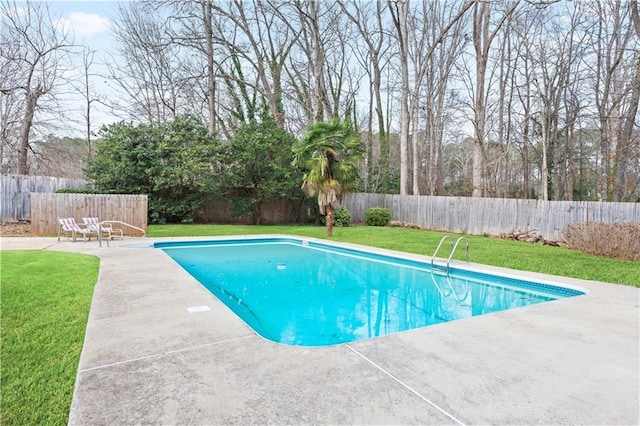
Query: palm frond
point(330, 151)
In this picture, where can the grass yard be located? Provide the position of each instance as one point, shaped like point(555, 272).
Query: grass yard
point(46, 298)
point(485, 250)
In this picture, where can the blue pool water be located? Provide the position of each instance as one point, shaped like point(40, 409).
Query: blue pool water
point(312, 294)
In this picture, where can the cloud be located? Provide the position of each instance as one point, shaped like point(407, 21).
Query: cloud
point(13, 12)
point(84, 24)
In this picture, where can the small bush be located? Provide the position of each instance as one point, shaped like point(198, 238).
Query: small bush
point(342, 217)
point(615, 240)
point(377, 216)
point(78, 191)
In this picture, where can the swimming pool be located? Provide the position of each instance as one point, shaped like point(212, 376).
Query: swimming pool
point(308, 293)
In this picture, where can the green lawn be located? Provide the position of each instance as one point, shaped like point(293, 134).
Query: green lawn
point(485, 250)
point(45, 304)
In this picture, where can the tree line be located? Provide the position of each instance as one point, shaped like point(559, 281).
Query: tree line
point(508, 98)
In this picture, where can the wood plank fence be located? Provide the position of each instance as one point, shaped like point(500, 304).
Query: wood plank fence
point(492, 216)
point(273, 212)
point(47, 208)
point(15, 190)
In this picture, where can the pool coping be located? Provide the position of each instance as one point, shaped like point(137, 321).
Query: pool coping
point(146, 359)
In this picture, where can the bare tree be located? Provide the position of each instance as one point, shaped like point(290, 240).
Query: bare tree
point(483, 35)
point(438, 39)
point(550, 79)
point(38, 49)
point(310, 17)
point(10, 103)
point(506, 82)
point(342, 75)
point(545, 56)
point(307, 64)
point(414, 45)
point(626, 177)
point(523, 87)
point(59, 156)
point(148, 69)
point(88, 92)
point(400, 13)
point(616, 48)
point(207, 18)
point(261, 36)
point(572, 45)
point(192, 24)
point(524, 78)
point(165, 61)
point(368, 20)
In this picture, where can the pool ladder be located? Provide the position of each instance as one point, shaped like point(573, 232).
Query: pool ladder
point(449, 289)
point(452, 250)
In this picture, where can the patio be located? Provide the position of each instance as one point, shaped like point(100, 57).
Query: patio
point(147, 359)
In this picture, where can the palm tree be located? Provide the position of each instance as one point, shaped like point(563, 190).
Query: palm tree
point(330, 152)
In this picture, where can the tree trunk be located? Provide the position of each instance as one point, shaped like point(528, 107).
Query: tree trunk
point(480, 42)
point(87, 61)
point(525, 155)
point(257, 213)
point(319, 88)
point(545, 168)
point(482, 39)
point(211, 78)
point(30, 102)
point(374, 37)
point(383, 137)
point(400, 21)
point(329, 220)
point(478, 167)
point(369, 144)
point(415, 151)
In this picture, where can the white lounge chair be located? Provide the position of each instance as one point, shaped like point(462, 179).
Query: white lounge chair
point(69, 226)
point(93, 223)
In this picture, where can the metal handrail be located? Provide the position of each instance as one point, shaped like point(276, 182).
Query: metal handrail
point(454, 250)
point(144, 233)
point(446, 237)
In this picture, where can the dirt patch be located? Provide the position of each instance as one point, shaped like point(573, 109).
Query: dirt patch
point(15, 229)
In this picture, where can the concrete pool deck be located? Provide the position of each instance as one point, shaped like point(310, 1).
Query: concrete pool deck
point(147, 359)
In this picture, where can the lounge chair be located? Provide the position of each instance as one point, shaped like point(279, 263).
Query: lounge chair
point(69, 226)
point(94, 224)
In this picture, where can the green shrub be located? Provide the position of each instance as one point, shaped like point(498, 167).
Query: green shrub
point(342, 217)
point(79, 191)
point(377, 216)
point(170, 162)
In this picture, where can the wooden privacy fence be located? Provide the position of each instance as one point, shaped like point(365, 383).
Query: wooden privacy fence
point(15, 190)
point(47, 208)
point(493, 216)
point(273, 212)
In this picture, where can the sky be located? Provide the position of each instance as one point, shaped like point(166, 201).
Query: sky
point(88, 20)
